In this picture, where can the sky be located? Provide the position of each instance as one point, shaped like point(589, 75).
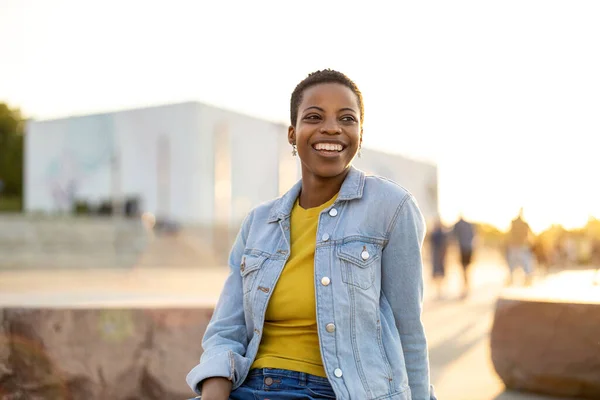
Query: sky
point(503, 96)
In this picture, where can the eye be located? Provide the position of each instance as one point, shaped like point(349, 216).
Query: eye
point(348, 118)
point(312, 117)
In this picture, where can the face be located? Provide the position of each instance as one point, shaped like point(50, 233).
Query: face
point(328, 130)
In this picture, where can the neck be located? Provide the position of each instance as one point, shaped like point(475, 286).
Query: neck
point(318, 190)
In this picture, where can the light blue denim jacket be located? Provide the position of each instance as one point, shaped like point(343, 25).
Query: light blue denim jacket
point(368, 284)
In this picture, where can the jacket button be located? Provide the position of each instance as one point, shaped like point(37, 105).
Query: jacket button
point(325, 281)
point(325, 237)
point(330, 328)
point(365, 255)
point(333, 212)
point(338, 373)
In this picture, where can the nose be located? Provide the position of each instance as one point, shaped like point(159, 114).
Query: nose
point(331, 126)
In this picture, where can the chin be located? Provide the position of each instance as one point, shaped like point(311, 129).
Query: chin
point(329, 171)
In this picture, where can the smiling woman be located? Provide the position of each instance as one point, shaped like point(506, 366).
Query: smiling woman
point(324, 296)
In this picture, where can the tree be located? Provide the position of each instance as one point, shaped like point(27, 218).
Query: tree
point(11, 151)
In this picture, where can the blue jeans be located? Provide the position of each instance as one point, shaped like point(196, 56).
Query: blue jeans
point(281, 384)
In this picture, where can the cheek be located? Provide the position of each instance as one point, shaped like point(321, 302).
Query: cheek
point(356, 137)
point(301, 136)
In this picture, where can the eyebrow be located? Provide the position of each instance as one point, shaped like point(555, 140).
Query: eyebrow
point(320, 109)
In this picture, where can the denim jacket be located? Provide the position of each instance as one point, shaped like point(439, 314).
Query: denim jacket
point(368, 287)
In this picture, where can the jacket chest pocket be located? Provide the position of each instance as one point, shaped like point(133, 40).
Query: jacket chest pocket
point(249, 269)
point(358, 261)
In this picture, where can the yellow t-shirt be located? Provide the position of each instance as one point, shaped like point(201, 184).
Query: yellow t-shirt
point(290, 339)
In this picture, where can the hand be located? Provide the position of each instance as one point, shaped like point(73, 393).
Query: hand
point(216, 388)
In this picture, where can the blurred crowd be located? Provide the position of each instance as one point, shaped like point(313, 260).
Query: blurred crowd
point(522, 250)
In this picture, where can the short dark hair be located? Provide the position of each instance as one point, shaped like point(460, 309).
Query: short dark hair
point(316, 78)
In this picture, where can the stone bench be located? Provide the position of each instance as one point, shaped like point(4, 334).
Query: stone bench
point(546, 339)
point(96, 335)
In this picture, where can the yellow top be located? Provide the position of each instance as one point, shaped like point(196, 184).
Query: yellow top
point(290, 339)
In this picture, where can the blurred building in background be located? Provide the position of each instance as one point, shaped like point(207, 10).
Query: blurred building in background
point(185, 162)
point(189, 163)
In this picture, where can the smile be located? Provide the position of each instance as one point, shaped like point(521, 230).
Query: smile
point(333, 147)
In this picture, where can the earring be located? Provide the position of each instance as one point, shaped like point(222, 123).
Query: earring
point(294, 150)
point(359, 153)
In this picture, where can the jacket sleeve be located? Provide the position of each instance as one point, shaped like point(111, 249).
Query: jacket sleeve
point(226, 337)
point(402, 285)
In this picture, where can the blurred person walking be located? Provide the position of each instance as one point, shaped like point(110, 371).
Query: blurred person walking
point(595, 253)
point(540, 252)
point(519, 245)
point(439, 244)
point(464, 232)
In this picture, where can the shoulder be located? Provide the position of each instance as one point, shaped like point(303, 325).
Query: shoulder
point(387, 190)
point(395, 206)
point(392, 202)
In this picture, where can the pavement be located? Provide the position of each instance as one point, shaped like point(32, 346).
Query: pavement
point(457, 329)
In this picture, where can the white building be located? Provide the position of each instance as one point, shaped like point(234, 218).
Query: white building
point(190, 162)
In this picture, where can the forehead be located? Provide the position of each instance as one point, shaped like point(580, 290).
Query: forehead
point(329, 94)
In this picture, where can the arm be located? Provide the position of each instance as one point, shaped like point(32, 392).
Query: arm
point(402, 285)
point(225, 339)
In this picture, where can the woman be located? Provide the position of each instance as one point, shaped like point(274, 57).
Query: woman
point(324, 295)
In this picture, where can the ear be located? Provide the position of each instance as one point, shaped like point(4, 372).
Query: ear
point(291, 135)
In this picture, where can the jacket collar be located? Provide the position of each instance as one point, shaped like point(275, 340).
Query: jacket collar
point(352, 188)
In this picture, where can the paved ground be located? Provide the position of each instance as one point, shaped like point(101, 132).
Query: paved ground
point(457, 329)
point(458, 334)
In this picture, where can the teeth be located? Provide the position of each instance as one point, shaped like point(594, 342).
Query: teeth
point(328, 146)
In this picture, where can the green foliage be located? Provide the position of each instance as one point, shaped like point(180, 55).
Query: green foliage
point(11, 151)
point(10, 204)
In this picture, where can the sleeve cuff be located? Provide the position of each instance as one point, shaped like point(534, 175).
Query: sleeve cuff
point(219, 365)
